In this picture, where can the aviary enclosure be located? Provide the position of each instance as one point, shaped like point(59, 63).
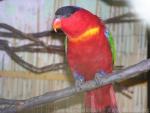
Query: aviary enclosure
point(32, 58)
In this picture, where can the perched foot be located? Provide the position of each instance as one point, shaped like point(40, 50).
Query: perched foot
point(99, 77)
point(79, 79)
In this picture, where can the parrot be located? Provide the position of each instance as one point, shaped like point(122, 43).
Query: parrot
point(90, 50)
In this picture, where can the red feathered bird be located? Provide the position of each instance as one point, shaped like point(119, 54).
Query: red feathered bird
point(90, 50)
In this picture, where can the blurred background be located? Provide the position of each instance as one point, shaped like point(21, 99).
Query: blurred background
point(32, 16)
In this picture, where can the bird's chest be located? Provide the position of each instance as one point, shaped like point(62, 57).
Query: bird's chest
point(89, 57)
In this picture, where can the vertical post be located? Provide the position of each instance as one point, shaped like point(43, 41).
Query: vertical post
point(148, 73)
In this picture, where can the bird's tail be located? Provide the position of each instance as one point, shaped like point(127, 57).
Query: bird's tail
point(101, 100)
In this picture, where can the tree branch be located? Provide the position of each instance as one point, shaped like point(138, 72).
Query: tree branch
point(121, 75)
point(32, 47)
point(124, 18)
point(37, 35)
point(4, 45)
point(17, 33)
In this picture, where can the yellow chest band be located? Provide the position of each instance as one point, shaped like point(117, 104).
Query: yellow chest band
point(86, 35)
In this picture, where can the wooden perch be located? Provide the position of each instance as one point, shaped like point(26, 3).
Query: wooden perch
point(19, 105)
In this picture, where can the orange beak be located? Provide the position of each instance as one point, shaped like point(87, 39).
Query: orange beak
point(56, 24)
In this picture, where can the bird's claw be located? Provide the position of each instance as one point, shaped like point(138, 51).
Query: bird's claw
point(78, 83)
point(79, 80)
point(99, 77)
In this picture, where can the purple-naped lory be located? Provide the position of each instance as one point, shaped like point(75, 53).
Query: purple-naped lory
point(90, 50)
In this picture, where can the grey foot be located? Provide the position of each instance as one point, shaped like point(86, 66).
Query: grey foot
point(78, 83)
point(79, 79)
point(99, 77)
